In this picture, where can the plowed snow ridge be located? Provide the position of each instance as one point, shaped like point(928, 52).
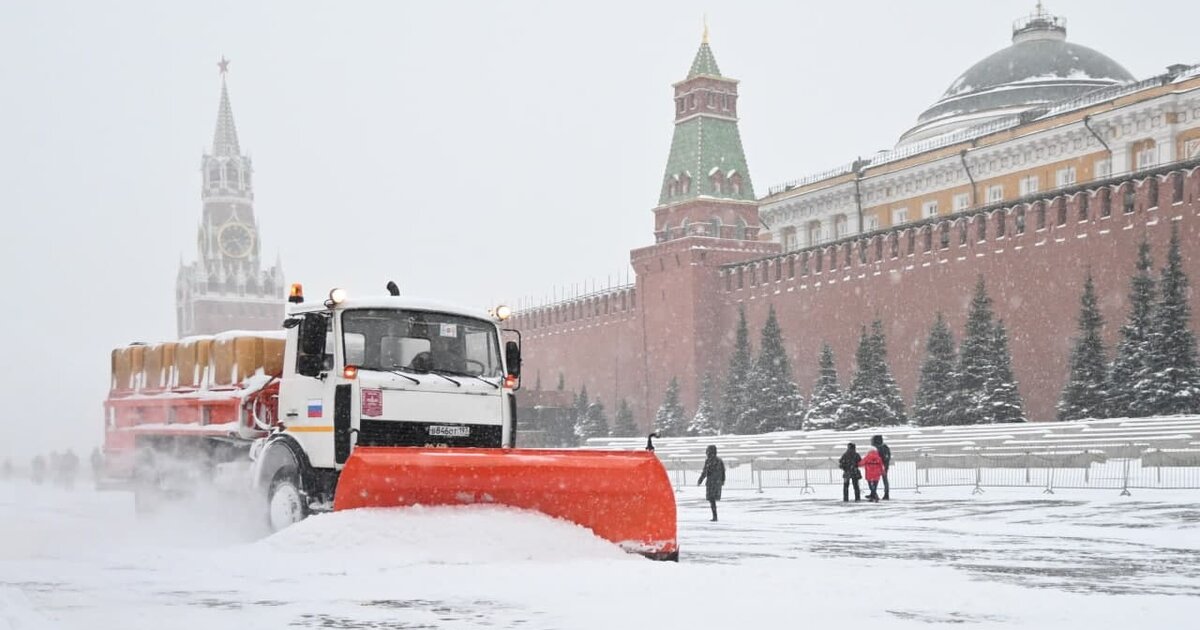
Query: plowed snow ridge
point(467, 534)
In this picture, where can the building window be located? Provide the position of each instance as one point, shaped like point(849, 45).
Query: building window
point(1191, 149)
point(929, 209)
point(961, 202)
point(714, 224)
point(741, 230)
point(840, 226)
point(899, 216)
point(691, 102)
point(1065, 176)
point(1147, 157)
point(1102, 168)
point(1028, 185)
point(995, 194)
point(679, 106)
point(872, 223)
point(712, 100)
point(814, 233)
point(789, 239)
point(735, 184)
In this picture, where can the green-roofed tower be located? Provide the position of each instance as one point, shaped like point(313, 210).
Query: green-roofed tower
point(706, 189)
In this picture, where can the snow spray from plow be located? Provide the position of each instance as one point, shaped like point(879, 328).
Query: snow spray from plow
point(624, 497)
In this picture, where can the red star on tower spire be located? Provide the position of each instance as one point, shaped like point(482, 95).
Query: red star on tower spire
point(223, 64)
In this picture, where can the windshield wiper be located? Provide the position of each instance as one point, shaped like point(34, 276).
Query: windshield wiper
point(439, 373)
point(397, 371)
point(457, 373)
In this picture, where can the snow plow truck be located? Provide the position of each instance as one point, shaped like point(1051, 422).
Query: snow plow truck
point(383, 401)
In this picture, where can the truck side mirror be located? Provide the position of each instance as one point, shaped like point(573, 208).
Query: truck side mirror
point(512, 358)
point(311, 357)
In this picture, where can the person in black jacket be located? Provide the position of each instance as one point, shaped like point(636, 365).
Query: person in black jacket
point(886, 453)
point(848, 462)
point(714, 473)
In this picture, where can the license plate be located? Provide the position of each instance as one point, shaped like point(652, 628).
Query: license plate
point(449, 431)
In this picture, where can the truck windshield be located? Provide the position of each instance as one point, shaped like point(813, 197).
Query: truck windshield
point(422, 341)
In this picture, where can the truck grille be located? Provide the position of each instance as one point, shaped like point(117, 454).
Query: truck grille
point(398, 433)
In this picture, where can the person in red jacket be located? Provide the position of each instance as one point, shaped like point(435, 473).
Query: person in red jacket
point(873, 467)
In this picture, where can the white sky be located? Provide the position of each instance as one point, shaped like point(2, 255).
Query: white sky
point(473, 152)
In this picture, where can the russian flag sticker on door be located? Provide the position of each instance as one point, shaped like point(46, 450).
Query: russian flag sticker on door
point(315, 408)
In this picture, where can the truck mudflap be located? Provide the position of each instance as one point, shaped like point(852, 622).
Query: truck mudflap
point(623, 496)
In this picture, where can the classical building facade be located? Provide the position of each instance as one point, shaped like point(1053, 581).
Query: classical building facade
point(1041, 163)
point(227, 287)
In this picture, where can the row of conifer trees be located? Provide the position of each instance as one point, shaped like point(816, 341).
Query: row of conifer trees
point(1155, 371)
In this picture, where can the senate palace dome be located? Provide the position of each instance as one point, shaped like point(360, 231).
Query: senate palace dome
point(1039, 68)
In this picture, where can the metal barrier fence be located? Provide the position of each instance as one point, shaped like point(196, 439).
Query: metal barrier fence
point(1124, 469)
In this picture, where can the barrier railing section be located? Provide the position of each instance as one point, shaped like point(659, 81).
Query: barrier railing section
point(1123, 468)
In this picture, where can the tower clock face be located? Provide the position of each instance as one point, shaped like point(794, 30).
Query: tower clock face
point(236, 240)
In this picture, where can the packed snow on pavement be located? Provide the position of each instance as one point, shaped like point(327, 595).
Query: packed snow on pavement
point(1084, 559)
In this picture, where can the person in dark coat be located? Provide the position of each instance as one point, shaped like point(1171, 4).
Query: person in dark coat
point(714, 474)
point(885, 452)
point(848, 462)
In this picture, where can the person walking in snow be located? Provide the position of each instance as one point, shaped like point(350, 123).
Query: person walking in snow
point(848, 462)
point(885, 452)
point(873, 468)
point(714, 474)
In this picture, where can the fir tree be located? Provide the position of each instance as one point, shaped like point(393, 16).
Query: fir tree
point(874, 399)
point(595, 422)
point(1001, 401)
point(975, 361)
point(738, 398)
point(1085, 394)
point(705, 420)
point(579, 412)
point(1175, 372)
point(670, 421)
point(1129, 378)
point(827, 394)
point(623, 425)
point(779, 405)
point(935, 394)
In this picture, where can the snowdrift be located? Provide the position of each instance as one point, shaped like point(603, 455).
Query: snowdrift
point(423, 535)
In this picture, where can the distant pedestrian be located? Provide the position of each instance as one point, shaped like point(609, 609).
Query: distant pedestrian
point(97, 462)
point(872, 466)
point(885, 452)
point(68, 469)
point(848, 462)
point(714, 474)
point(37, 469)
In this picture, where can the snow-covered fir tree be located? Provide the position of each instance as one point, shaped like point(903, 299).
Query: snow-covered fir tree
point(670, 420)
point(1085, 395)
point(738, 399)
point(826, 398)
point(1175, 371)
point(873, 399)
point(1001, 401)
point(595, 422)
point(936, 389)
point(704, 422)
point(579, 411)
point(975, 361)
point(623, 424)
point(778, 403)
point(1129, 377)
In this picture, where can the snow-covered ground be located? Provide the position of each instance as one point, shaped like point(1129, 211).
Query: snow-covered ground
point(1015, 559)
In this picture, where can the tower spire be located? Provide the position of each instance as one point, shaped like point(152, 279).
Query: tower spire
point(225, 140)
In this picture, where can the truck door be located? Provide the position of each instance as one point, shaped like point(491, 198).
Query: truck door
point(306, 391)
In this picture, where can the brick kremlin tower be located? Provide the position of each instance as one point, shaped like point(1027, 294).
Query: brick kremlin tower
point(227, 287)
point(707, 216)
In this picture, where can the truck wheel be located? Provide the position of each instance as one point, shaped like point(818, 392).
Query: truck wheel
point(286, 505)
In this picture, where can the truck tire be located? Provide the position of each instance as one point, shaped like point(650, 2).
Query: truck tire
point(286, 503)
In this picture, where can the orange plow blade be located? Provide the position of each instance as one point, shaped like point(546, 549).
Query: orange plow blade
point(622, 496)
